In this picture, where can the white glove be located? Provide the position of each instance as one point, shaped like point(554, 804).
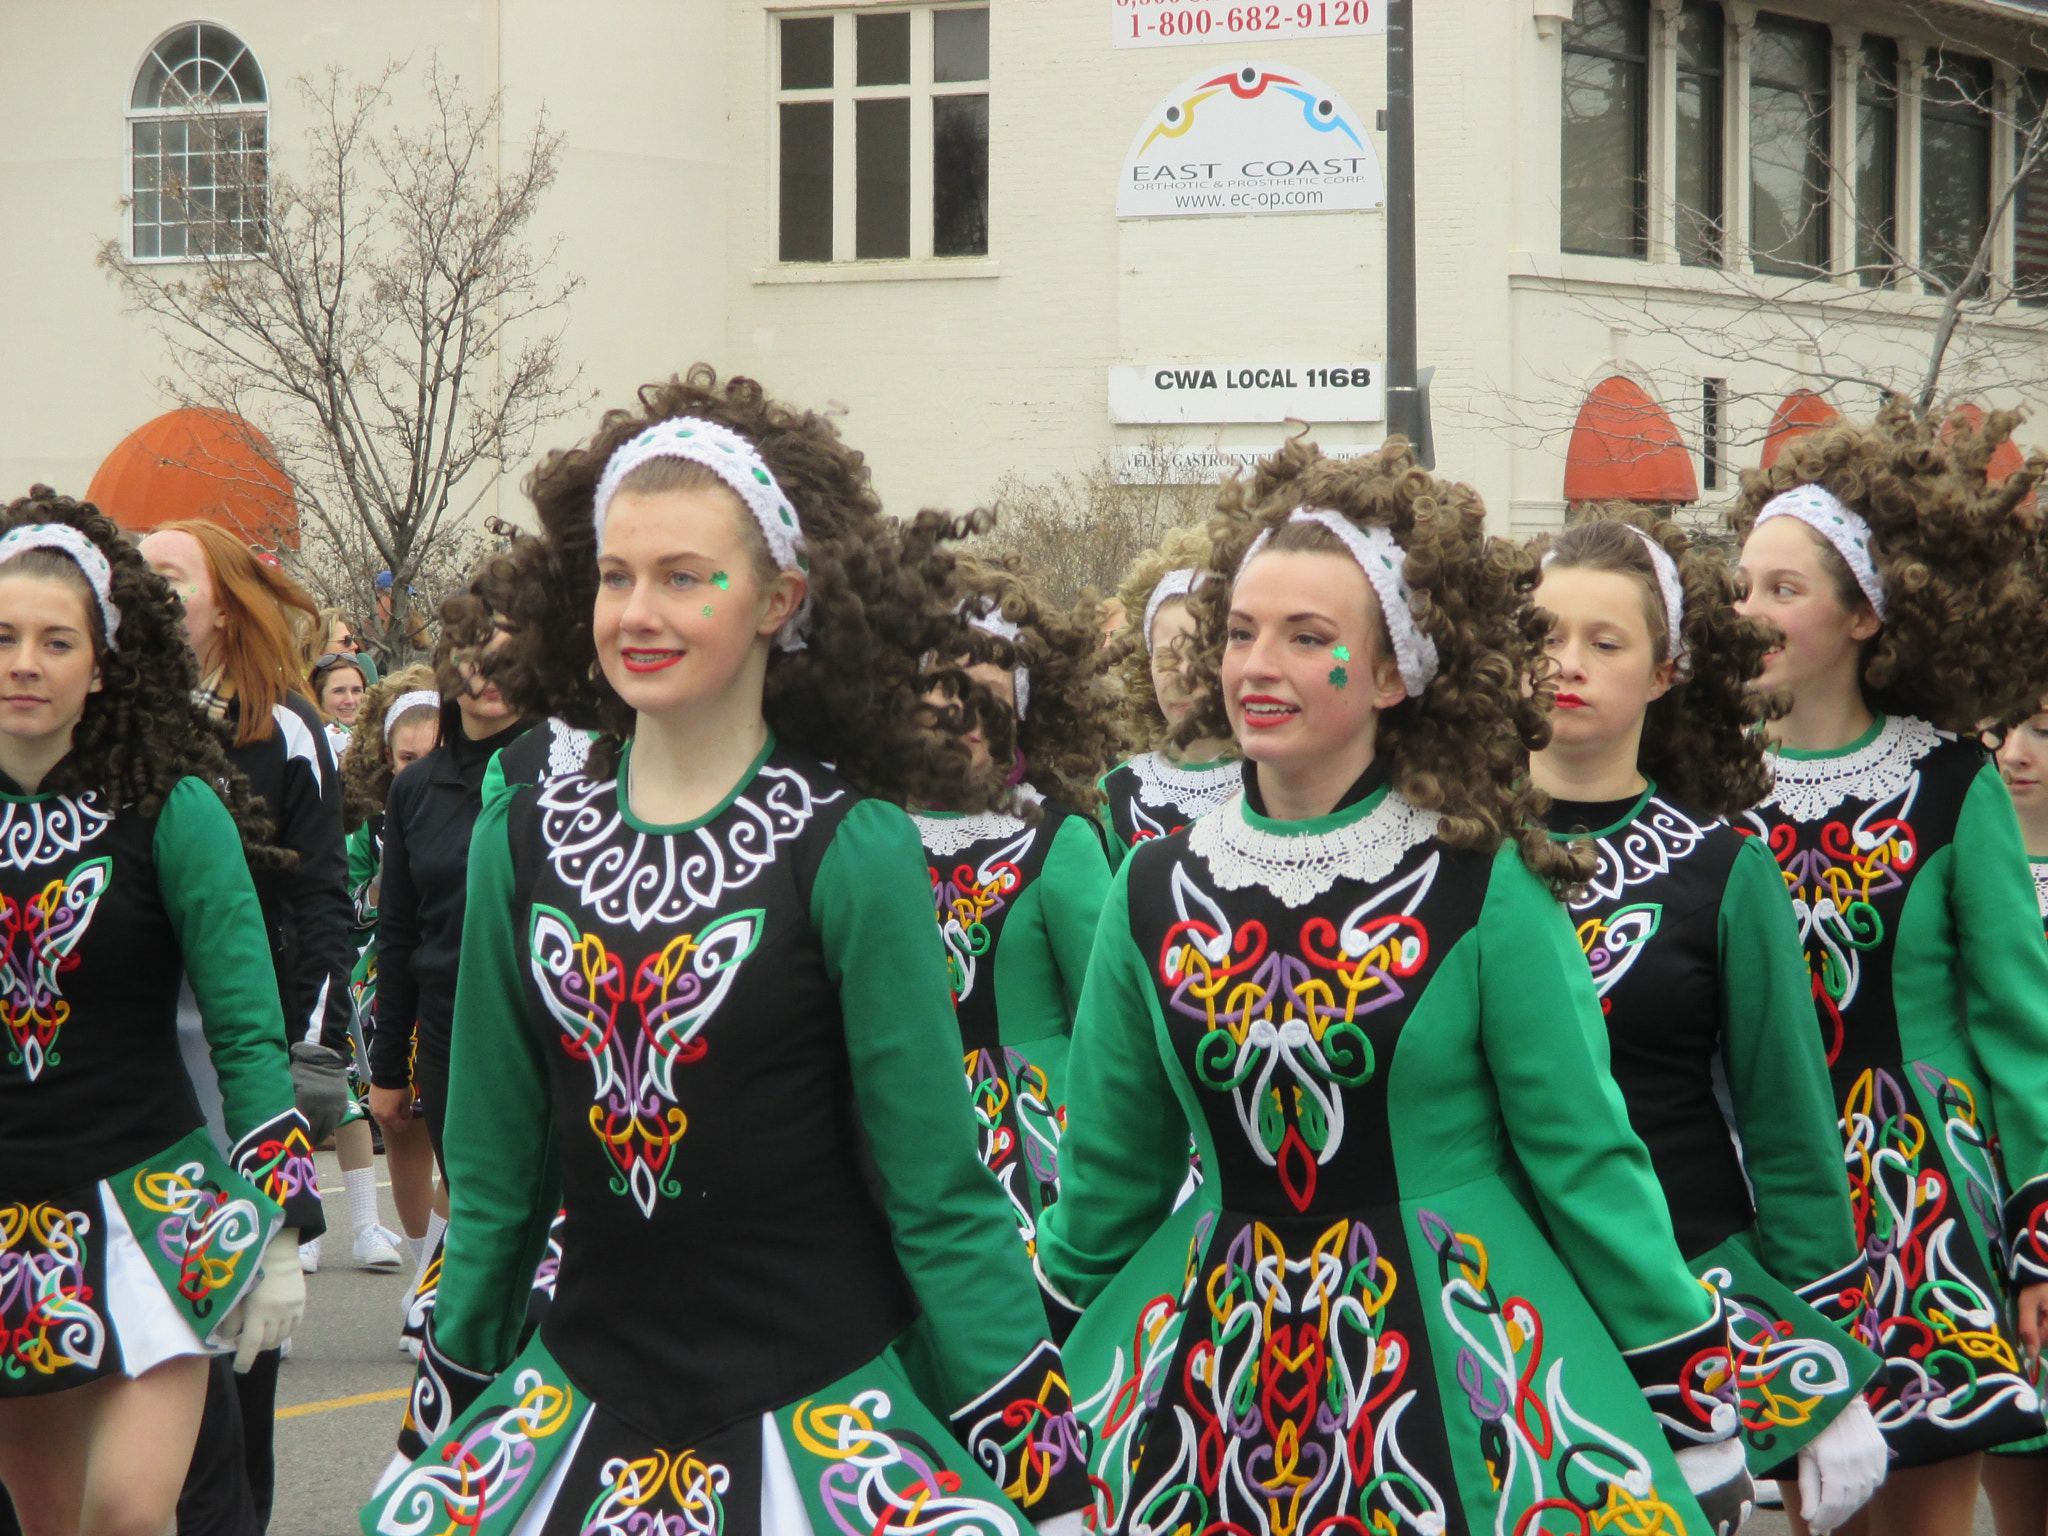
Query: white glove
point(1841, 1467)
point(1719, 1478)
point(1072, 1523)
point(271, 1308)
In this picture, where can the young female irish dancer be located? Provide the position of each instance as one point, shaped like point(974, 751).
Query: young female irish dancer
point(130, 1249)
point(400, 723)
point(1168, 783)
point(703, 1008)
point(1695, 955)
point(1018, 889)
point(1431, 1284)
point(1908, 595)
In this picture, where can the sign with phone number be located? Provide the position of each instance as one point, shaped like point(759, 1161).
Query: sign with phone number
point(1169, 23)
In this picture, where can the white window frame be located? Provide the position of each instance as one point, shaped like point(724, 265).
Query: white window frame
point(132, 115)
point(843, 93)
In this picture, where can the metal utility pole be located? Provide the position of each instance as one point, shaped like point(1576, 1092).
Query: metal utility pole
point(1405, 401)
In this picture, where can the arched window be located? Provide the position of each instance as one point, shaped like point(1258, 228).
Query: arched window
point(196, 122)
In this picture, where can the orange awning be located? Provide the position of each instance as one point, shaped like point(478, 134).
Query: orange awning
point(1624, 448)
point(1799, 412)
point(204, 464)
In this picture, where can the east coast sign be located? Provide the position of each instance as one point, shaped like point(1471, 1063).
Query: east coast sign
point(1249, 138)
point(1310, 389)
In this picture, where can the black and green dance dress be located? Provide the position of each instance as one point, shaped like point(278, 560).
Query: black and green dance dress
point(1017, 905)
point(788, 1296)
point(1695, 956)
point(1929, 978)
point(1429, 1282)
point(126, 1237)
point(1149, 796)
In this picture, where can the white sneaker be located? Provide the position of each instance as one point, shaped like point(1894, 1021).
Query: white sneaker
point(309, 1256)
point(375, 1251)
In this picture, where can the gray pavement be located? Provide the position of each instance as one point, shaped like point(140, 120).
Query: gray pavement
point(329, 1456)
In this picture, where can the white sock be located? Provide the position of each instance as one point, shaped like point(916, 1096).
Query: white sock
point(436, 1225)
point(361, 1184)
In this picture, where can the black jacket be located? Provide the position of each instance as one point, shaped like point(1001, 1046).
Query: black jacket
point(306, 908)
point(428, 818)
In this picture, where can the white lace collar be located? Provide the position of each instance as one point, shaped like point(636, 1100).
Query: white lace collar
point(948, 835)
point(1808, 788)
point(2040, 868)
point(1301, 866)
point(1196, 791)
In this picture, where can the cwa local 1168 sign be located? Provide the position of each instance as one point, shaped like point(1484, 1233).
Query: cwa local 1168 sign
point(1311, 389)
point(1249, 138)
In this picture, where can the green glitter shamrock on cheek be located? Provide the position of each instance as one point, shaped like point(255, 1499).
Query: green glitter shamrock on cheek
point(720, 580)
point(1338, 676)
point(707, 610)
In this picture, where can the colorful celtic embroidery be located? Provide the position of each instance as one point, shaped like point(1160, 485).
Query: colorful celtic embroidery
point(1543, 1454)
point(1937, 1314)
point(205, 1231)
point(48, 1321)
point(965, 901)
point(1023, 1431)
point(879, 1481)
point(1615, 942)
point(483, 1470)
point(659, 1494)
point(634, 1111)
point(1040, 1122)
point(1293, 1352)
point(277, 1157)
point(1281, 1031)
point(41, 935)
point(1782, 1376)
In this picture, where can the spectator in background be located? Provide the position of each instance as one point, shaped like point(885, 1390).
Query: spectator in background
point(338, 689)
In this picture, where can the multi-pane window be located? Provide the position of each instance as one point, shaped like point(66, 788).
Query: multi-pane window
point(2030, 197)
point(1877, 161)
point(1788, 146)
point(1698, 203)
point(196, 123)
point(882, 134)
point(1955, 167)
point(1605, 114)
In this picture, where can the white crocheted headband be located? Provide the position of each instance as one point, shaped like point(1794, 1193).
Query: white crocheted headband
point(1380, 556)
point(419, 698)
point(1669, 588)
point(1822, 511)
point(84, 554)
point(1173, 584)
point(734, 460)
point(992, 622)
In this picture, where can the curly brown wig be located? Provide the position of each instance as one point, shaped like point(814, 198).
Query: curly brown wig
point(1700, 741)
point(1128, 657)
point(366, 771)
point(1965, 634)
point(882, 593)
point(1459, 748)
point(140, 733)
point(1065, 735)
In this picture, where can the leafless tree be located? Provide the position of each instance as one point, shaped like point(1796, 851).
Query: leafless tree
point(371, 318)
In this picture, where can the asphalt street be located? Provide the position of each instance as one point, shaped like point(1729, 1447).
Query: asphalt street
point(344, 1383)
point(339, 1395)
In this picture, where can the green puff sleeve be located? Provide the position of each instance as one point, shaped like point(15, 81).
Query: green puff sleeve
point(1546, 1048)
point(1778, 1079)
point(203, 880)
point(494, 787)
point(2002, 959)
point(1125, 1155)
point(504, 1177)
point(1113, 845)
point(1042, 960)
point(983, 1326)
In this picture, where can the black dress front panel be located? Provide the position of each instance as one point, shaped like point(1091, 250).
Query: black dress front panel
point(92, 1080)
point(1649, 922)
point(685, 1011)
